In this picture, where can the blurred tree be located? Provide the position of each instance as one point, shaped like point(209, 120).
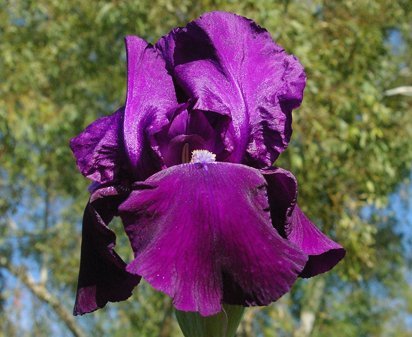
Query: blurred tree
point(62, 64)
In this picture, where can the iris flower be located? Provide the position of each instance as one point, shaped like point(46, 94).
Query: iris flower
point(187, 165)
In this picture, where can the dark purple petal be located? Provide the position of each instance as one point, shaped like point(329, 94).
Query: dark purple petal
point(99, 149)
point(150, 97)
point(282, 195)
point(233, 67)
point(213, 128)
point(292, 224)
point(103, 276)
point(190, 130)
point(202, 234)
point(323, 253)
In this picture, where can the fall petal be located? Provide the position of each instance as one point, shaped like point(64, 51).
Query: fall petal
point(202, 234)
point(282, 195)
point(323, 253)
point(292, 224)
point(103, 276)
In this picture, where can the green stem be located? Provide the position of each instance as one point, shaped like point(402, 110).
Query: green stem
point(224, 324)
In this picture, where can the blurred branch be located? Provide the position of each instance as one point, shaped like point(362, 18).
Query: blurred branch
point(166, 327)
point(246, 325)
point(40, 291)
point(402, 90)
point(311, 305)
point(44, 273)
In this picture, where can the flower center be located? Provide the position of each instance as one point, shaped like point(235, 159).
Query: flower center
point(202, 157)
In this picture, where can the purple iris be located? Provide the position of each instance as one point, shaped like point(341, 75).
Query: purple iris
point(186, 164)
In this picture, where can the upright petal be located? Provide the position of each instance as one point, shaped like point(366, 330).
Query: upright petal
point(99, 149)
point(103, 276)
point(233, 67)
point(323, 253)
point(190, 130)
point(150, 96)
point(202, 234)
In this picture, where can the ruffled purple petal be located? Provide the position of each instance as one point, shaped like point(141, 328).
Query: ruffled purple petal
point(103, 276)
point(99, 149)
point(202, 234)
point(150, 97)
point(233, 67)
point(323, 253)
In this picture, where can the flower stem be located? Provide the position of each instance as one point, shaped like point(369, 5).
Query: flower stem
point(224, 324)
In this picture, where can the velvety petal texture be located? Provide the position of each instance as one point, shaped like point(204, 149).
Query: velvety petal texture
point(231, 66)
point(99, 149)
point(103, 276)
point(202, 234)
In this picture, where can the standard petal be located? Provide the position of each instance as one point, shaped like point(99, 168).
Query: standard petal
point(233, 67)
point(103, 276)
point(99, 149)
point(323, 253)
point(190, 130)
point(150, 97)
point(202, 234)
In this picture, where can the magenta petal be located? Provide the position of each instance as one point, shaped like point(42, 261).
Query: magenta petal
point(99, 149)
point(233, 67)
point(150, 96)
point(323, 253)
point(103, 276)
point(202, 234)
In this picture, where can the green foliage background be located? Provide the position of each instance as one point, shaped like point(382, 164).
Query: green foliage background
point(62, 64)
